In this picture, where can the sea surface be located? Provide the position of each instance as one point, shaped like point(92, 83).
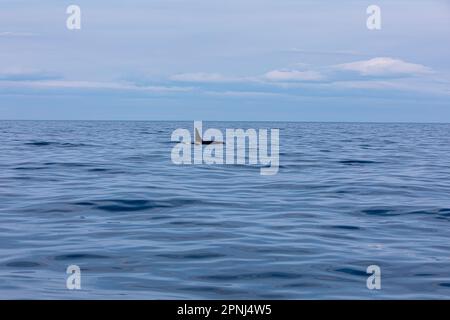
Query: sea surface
point(105, 196)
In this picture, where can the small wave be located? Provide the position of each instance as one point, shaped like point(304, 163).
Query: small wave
point(38, 143)
point(98, 170)
point(65, 164)
point(57, 144)
point(193, 256)
point(250, 276)
point(79, 256)
point(23, 264)
point(345, 227)
point(352, 271)
point(28, 168)
point(129, 205)
point(106, 170)
point(357, 162)
point(444, 212)
point(379, 212)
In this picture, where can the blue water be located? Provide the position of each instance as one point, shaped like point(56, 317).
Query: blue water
point(105, 196)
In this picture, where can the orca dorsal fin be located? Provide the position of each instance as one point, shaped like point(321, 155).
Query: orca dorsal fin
point(198, 138)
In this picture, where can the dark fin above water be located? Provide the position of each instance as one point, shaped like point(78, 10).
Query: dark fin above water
point(199, 140)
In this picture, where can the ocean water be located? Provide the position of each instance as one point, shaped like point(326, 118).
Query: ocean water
point(105, 196)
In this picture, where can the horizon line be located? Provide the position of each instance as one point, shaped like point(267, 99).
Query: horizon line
point(192, 120)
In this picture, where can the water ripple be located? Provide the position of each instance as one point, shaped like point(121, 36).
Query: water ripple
point(106, 196)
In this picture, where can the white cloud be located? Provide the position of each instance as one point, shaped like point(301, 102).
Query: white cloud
point(16, 34)
point(293, 75)
point(66, 84)
point(239, 94)
point(384, 66)
point(270, 77)
point(203, 77)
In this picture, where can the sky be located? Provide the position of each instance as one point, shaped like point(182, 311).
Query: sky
point(250, 60)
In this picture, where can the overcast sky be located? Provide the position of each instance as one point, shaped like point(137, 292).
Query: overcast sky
point(225, 60)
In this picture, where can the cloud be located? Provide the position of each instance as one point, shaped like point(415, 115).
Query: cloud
point(380, 67)
point(10, 34)
point(271, 76)
point(244, 94)
point(384, 66)
point(202, 77)
point(20, 74)
point(67, 84)
point(299, 81)
point(293, 76)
